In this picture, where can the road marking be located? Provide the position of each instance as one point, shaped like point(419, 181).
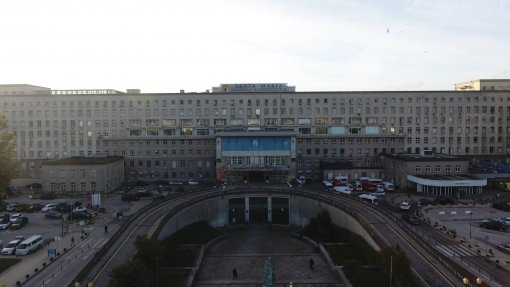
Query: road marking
point(456, 250)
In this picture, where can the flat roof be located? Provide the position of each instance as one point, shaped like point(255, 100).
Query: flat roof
point(448, 177)
point(421, 157)
point(84, 160)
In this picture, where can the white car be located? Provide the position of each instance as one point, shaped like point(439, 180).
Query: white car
point(192, 182)
point(49, 206)
point(80, 209)
point(15, 216)
point(405, 206)
point(327, 184)
point(11, 247)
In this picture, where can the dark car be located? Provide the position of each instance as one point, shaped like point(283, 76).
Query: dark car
point(53, 214)
point(34, 207)
point(19, 223)
point(5, 223)
point(63, 207)
point(493, 225)
point(411, 219)
point(130, 196)
point(78, 216)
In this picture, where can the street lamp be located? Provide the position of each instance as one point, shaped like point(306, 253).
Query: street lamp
point(478, 281)
point(470, 220)
point(465, 281)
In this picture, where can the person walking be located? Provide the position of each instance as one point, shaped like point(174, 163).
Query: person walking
point(311, 263)
point(234, 273)
point(106, 229)
point(72, 241)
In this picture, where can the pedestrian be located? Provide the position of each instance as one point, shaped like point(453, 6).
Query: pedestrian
point(311, 263)
point(234, 273)
point(72, 241)
point(106, 229)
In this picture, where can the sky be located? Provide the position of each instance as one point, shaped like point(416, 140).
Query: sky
point(315, 45)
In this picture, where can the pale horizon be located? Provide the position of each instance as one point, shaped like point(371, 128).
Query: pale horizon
point(168, 46)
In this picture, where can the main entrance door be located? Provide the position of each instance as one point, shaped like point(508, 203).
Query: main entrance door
point(258, 209)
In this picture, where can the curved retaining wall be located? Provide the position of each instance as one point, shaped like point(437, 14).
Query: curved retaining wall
point(301, 210)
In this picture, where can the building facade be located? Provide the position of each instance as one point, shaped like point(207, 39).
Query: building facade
point(83, 175)
point(207, 136)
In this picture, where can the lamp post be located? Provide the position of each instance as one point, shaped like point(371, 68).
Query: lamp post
point(470, 220)
point(465, 281)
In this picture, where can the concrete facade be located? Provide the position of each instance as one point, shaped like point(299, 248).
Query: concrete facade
point(301, 210)
point(83, 175)
point(175, 135)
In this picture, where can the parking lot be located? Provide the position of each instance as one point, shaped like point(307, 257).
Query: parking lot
point(50, 229)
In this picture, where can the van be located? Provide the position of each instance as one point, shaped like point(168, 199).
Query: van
point(388, 186)
point(343, 189)
point(29, 245)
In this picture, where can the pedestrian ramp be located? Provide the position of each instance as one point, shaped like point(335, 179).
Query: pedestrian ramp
point(456, 250)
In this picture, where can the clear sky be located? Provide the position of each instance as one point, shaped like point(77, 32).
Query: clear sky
point(315, 45)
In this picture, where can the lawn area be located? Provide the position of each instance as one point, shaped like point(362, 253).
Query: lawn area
point(5, 263)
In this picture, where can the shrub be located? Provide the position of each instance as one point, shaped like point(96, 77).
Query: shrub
point(44, 264)
point(27, 276)
point(36, 270)
point(18, 283)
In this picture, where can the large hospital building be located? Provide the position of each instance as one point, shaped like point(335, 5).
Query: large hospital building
point(256, 132)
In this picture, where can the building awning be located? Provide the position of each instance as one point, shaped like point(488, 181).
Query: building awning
point(444, 182)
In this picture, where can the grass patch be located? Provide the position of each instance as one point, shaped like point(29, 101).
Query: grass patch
point(361, 263)
point(197, 233)
point(183, 257)
point(5, 263)
point(173, 278)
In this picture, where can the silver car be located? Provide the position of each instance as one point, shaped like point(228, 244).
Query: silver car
point(10, 249)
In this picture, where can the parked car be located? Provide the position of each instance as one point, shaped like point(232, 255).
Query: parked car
point(63, 207)
point(493, 225)
point(10, 248)
point(11, 207)
point(15, 216)
point(5, 223)
point(53, 214)
point(19, 223)
point(79, 209)
point(34, 207)
point(327, 184)
point(405, 206)
point(130, 196)
point(173, 182)
point(49, 206)
point(193, 182)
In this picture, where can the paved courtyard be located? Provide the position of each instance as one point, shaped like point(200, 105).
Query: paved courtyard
point(247, 248)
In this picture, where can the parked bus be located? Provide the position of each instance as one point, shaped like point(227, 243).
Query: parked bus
point(369, 198)
point(29, 245)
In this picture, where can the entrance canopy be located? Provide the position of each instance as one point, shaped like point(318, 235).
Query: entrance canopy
point(459, 186)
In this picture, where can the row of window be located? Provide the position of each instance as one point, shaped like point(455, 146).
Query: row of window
point(437, 169)
point(249, 112)
point(269, 101)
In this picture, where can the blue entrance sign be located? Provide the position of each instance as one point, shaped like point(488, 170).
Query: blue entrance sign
point(52, 252)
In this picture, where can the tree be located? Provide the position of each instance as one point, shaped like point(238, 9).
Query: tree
point(9, 167)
